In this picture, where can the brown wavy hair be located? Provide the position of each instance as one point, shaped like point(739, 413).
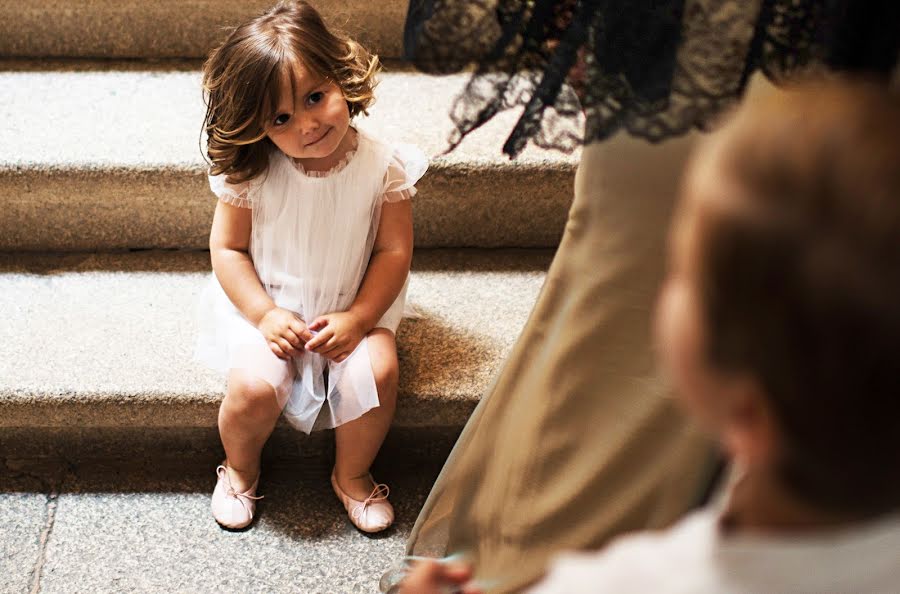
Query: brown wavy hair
point(243, 76)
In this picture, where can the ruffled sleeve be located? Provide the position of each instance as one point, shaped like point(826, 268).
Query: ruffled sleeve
point(242, 195)
point(407, 166)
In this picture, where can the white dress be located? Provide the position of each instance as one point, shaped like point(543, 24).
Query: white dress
point(311, 240)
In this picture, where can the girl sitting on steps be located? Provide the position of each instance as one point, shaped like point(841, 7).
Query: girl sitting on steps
point(311, 245)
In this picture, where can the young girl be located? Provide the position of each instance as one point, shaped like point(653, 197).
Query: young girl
point(778, 327)
point(311, 245)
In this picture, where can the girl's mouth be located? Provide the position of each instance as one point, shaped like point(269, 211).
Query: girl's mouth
point(319, 139)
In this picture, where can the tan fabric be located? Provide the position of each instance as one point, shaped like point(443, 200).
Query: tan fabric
point(577, 441)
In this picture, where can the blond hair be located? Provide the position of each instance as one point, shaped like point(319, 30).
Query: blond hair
point(243, 76)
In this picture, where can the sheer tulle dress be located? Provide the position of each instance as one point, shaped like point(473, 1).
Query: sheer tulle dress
point(311, 240)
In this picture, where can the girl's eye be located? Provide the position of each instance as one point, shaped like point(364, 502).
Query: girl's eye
point(282, 119)
point(315, 97)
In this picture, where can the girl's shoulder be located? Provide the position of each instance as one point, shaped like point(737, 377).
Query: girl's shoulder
point(400, 166)
point(406, 166)
point(242, 194)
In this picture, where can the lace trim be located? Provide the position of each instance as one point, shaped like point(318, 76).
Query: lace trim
point(240, 200)
point(407, 166)
point(340, 166)
point(583, 70)
point(400, 195)
point(241, 195)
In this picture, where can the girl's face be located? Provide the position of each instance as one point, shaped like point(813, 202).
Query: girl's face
point(312, 118)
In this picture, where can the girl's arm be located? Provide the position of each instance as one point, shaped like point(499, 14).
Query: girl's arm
point(229, 242)
point(388, 266)
point(339, 333)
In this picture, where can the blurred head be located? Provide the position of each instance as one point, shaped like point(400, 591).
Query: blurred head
point(779, 324)
point(282, 79)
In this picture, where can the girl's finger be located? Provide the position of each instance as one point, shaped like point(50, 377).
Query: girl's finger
point(319, 339)
point(331, 348)
point(333, 353)
point(300, 329)
point(287, 348)
point(318, 324)
point(342, 357)
point(277, 350)
point(292, 337)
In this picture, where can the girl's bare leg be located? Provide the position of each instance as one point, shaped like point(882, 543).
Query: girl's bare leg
point(247, 418)
point(358, 442)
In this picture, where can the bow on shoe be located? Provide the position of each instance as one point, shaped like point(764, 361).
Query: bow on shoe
point(242, 497)
point(379, 493)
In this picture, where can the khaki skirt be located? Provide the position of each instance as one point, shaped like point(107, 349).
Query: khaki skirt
point(578, 441)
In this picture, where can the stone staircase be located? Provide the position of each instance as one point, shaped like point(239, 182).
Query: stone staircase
point(107, 428)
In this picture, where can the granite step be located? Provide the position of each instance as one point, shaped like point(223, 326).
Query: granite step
point(92, 342)
point(171, 28)
point(144, 527)
point(109, 158)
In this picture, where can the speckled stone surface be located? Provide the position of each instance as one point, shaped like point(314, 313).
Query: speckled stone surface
point(144, 528)
point(24, 503)
point(170, 28)
point(114, 162)
point(22, 517)
point(93, 340)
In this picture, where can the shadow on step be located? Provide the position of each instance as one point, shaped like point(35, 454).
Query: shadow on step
point(130, 261)
point(298, 506)
point(482, 260)
point(156, 260)
point(164, 454)
point(129, 475)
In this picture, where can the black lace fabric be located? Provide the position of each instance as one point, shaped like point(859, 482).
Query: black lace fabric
point(582, 70)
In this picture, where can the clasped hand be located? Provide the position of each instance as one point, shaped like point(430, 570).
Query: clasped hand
point(334, 336)
point(285, 332)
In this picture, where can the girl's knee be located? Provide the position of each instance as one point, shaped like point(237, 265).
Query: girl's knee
point(250, 394)
point(387, 379)
point(385, 366)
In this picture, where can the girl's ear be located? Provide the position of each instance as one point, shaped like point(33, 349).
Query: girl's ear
point(749, 430)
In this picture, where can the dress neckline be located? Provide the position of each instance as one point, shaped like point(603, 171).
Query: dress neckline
point(338, 167)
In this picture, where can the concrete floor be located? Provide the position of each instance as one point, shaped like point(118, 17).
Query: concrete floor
point(144, 526)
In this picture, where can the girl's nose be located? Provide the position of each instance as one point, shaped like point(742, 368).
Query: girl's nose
point(307, 125)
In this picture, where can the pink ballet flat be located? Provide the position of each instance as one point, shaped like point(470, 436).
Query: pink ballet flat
point(372, 515)
point(232, 509)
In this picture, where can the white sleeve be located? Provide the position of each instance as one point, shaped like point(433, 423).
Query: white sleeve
point(241, 195)
point(407, 166)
